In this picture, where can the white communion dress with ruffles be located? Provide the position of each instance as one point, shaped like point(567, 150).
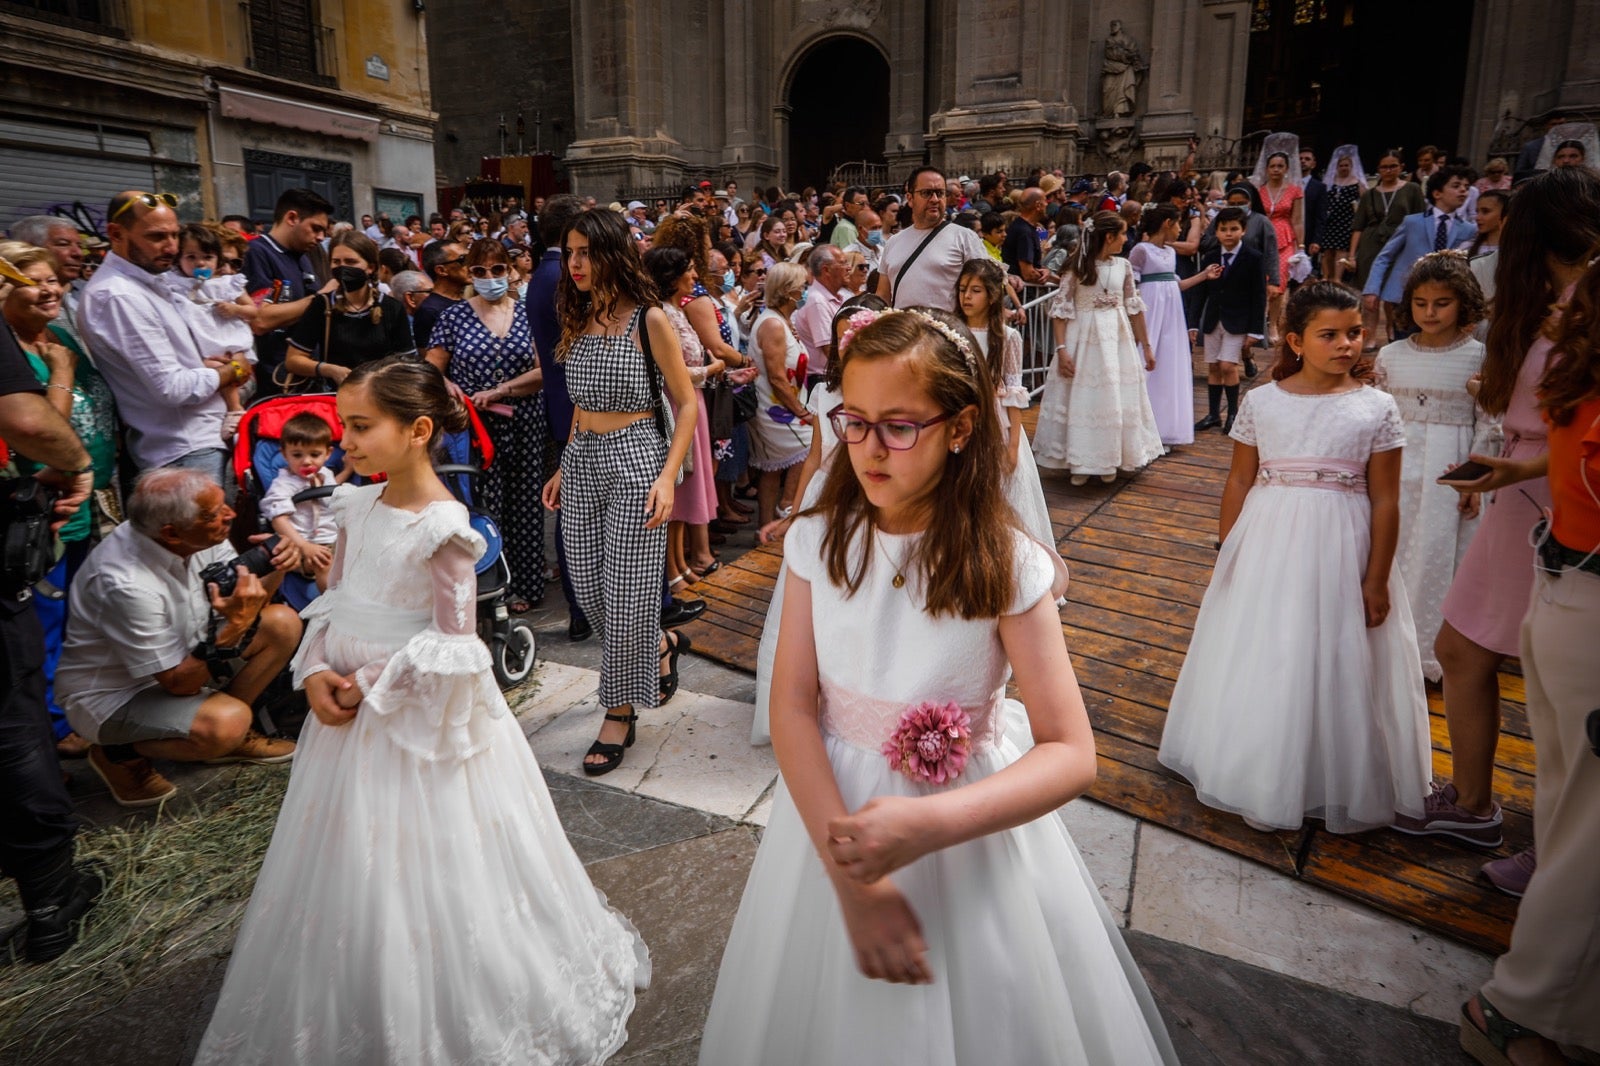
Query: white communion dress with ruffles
point(419, 902)
point(1028, 964)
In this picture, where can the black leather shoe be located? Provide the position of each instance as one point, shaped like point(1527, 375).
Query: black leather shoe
point(1227, 427)
point(53, 924)
point(579, 629)
point(1208, 422)
point(682, 611)
point(1249, 369)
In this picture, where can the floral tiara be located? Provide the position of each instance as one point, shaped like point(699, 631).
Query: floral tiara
point(866, 317)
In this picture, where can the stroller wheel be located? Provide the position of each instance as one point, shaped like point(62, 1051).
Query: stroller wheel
point(513, 654)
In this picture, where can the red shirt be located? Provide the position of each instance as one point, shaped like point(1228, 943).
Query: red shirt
point(1574, 459)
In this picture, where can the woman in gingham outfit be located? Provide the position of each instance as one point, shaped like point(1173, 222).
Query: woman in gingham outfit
point(618, 473)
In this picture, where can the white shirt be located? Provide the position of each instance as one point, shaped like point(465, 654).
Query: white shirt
point(137, 610)
point(932, 282)
point(166, 395)
point(313, 519)
point(813, 324)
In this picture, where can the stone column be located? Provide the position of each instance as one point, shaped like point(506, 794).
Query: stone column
point(1169, 119)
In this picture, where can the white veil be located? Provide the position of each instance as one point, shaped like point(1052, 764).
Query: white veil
point(1289, 145)
point(1582, 132)
point(1356, 171)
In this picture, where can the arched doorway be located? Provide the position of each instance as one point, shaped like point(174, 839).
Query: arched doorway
point(838, 109)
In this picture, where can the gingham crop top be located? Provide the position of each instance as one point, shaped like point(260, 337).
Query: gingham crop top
point(608, 373)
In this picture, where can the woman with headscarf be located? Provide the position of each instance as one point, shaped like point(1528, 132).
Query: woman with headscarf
point(1346, 181)
point(1277, 177)
point(1378, 214)
point(1571, 144)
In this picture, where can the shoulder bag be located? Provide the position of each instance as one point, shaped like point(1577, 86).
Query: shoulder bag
point(894, 291)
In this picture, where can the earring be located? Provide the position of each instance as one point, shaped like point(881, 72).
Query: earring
point(956, 449)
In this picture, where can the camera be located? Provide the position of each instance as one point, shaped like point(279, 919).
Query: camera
point(225, 575)
point(28, 549)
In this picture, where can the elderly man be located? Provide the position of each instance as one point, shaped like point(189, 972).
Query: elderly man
point(639, 215)
point(62, 238)
point(168, 391)
point(813, 322)
point(159, 664)
point(411, 287)
point(919, 266)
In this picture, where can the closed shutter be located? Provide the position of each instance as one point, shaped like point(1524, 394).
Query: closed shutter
point(71, 171)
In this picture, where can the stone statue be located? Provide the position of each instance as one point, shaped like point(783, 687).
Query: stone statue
point(1121, 72)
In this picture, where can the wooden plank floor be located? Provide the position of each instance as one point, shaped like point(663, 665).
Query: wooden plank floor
point(1140, 554)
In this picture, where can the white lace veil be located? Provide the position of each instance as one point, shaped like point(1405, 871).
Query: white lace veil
point(1289, 145)
point(1582, 132)
point(1356, 170)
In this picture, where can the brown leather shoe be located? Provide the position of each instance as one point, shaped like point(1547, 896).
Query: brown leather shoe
point(134, 783)
point(255, 748)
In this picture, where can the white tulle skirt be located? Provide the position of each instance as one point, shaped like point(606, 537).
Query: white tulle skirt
point(423, 910)
point(1028, 964)
point(1287, 704)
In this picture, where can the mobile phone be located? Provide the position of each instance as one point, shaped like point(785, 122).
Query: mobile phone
point(1468, 471)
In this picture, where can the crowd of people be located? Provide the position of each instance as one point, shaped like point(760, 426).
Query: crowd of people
point(843, 369)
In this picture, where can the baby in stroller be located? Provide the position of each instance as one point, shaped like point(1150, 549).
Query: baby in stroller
point(306, 443)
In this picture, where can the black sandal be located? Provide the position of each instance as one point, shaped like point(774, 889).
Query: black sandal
point(612, 752)
point(677, 644)
point(1488, 1045)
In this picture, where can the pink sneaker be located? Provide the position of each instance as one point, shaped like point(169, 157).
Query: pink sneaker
point(1442, 817)
point(1512, 874)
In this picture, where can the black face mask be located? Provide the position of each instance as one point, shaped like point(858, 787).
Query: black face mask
point(351, 278)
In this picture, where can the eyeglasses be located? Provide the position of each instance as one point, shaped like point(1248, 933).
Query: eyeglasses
point(233, 264)
point(896, 434)
point(930, 194)
point(457, 261)
point(151, 200)
point(498, 270)
point(862, 267)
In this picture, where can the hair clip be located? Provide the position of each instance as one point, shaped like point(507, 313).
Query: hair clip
point(856, 323)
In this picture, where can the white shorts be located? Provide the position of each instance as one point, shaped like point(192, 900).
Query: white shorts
point(1223, 347)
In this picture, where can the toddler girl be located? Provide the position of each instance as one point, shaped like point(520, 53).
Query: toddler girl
point(1427, 374)
point(215, 307)
point(913, 900)
point(1095, 417)
point(1333, 722)
point(419, 902)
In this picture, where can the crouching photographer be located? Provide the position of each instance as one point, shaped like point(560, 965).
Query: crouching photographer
point(172, 639)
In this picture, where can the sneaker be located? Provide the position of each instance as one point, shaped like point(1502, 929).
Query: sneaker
point(1441, 817)
point(134, 783)
point(1512, 874)
point(255, 748)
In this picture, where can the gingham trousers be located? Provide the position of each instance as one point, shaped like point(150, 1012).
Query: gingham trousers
point(615, 563)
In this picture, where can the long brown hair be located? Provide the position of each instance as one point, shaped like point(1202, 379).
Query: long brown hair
point(965, 558)
point(1102, 226)
point(993, 276)
point(617, 276)
point(1555, 214)
point(1575, 377)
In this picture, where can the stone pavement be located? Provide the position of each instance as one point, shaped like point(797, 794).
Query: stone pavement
point(1247, 967)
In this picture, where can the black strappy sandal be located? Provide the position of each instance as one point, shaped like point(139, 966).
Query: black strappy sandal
point(1488, 1045)
point(612, 752)
point(677, 643)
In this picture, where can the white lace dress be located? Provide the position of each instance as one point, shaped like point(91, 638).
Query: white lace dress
point(1022, 487)
point(1443, 427)
point(1028, 965)
point(1098, 421)
point(419, 902)
point(1287, 704)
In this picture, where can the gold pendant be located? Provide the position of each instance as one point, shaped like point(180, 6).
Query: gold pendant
point(899, 581)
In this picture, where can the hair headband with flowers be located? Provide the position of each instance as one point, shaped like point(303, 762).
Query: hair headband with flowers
point(866, 317)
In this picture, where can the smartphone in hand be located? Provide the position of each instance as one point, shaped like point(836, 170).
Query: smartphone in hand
point(1467, 471)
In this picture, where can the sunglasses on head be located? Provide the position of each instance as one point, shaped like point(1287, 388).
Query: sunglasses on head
point(498, 270)
point(151, 200)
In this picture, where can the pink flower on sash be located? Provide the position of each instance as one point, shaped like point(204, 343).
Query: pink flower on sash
point(931, 743)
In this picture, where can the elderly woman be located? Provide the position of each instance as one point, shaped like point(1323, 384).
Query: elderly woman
point(781, 429)
point(695, 505)
point(484, 346)
point(76, 389)
point(351, 325)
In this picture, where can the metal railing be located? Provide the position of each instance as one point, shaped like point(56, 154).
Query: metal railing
point(1038, 337)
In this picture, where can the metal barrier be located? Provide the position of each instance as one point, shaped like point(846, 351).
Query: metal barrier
point(1038, 336)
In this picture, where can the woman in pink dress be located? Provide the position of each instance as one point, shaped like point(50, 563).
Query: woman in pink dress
point(695, 504)
point(1286, 210)
point(1546, 243)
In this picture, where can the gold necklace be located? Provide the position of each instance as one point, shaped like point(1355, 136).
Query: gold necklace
point(899, 580)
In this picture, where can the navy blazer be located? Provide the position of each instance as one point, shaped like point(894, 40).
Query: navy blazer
point(1238, 299)
point(546, 327)
point(1412, 241)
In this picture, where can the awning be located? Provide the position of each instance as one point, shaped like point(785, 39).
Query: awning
point(314, 118)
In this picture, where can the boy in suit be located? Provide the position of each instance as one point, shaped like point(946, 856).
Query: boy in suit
point(1234, 313)
point(1432, 230)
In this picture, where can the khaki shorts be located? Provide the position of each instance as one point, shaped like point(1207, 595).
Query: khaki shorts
point(154, 714)
point(1224, 347)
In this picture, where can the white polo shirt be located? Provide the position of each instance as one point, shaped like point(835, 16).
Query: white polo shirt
point(932, 281)
point(137, 610)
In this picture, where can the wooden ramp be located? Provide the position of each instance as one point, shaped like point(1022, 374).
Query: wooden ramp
point(1140, 554)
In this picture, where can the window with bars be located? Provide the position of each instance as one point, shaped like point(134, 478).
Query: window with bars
point(288, 41)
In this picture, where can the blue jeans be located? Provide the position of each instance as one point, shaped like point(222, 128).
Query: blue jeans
point(212, 462)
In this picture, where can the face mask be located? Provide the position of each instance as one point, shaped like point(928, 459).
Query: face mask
point(202, 273)
point(875, 237)
point(491, 288)
point(727, 278)
point(351, 278)
point(802, 301)
point(1246, 209)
